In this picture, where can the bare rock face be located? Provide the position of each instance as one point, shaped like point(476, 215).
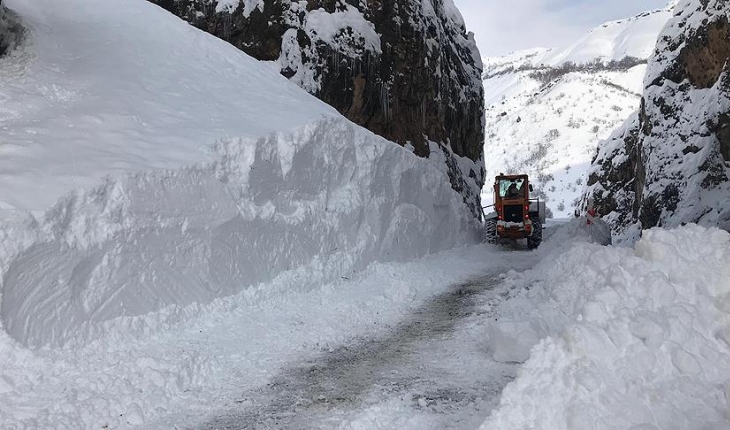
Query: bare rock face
point(406, 70)
point(670, 162)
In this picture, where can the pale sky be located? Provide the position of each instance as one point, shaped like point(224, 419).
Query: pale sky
point(503, 26)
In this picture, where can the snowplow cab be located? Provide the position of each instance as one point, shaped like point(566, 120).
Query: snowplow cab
point(515, 215)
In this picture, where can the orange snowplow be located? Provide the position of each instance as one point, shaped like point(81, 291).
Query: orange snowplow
point(515, 215)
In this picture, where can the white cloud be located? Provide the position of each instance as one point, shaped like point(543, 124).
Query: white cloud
point(503, 26)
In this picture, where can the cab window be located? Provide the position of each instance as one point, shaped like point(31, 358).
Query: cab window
point(511, 188)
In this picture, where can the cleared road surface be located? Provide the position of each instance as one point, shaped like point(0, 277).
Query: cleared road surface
point(433, 370)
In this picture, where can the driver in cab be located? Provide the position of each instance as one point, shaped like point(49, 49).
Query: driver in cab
point(513, 191)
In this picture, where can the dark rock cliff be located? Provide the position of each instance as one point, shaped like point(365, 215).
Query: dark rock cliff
point(11, 32)
point(670, 162)
point(406, 70)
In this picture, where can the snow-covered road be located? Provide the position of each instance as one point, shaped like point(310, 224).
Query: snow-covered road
point(402, 345)
point(417, 365)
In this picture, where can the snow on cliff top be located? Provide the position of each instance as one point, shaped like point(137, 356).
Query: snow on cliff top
point(85, 100)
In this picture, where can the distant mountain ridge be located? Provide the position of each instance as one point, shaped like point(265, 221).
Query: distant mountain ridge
point(612, 41)
point(547, 109)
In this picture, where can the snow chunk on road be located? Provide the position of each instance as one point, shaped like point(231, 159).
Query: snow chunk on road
point(637, 338)
point(511, 341)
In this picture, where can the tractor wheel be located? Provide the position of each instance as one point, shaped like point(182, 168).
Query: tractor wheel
point(490, 231)
point(534, 240)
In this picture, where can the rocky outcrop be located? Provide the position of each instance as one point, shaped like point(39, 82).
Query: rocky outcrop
point(669, 164)
point(406, 70)
point(11, 31)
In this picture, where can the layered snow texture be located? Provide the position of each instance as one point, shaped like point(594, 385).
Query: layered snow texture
point(117, 97)
point(668, 164)
point(331, 195)
point(128, 191)
point(620, 338)
point(547, 109)
point(406, 70)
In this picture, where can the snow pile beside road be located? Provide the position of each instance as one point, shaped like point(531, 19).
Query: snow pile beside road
point(144, 182)
point(520, 323)
point(632, 338)
point(332, 196)
point(577, 230)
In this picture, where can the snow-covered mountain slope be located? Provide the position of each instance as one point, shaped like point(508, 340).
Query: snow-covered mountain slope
point(613, 41)
point(669, 163)
point(546, 109)
point(143, 179)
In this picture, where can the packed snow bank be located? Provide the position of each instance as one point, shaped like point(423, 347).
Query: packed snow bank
point(516, 331)
point(330, 195)
point(632, 338)
point(578, 230)
point(142, 176)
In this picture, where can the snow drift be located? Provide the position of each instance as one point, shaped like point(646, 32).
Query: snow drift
point(630, 338)
point(182, 176)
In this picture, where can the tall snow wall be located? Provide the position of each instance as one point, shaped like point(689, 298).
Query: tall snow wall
point(325, 201)
point(669, 163)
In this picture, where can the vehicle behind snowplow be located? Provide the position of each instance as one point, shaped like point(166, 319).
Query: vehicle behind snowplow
point(515, 215)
